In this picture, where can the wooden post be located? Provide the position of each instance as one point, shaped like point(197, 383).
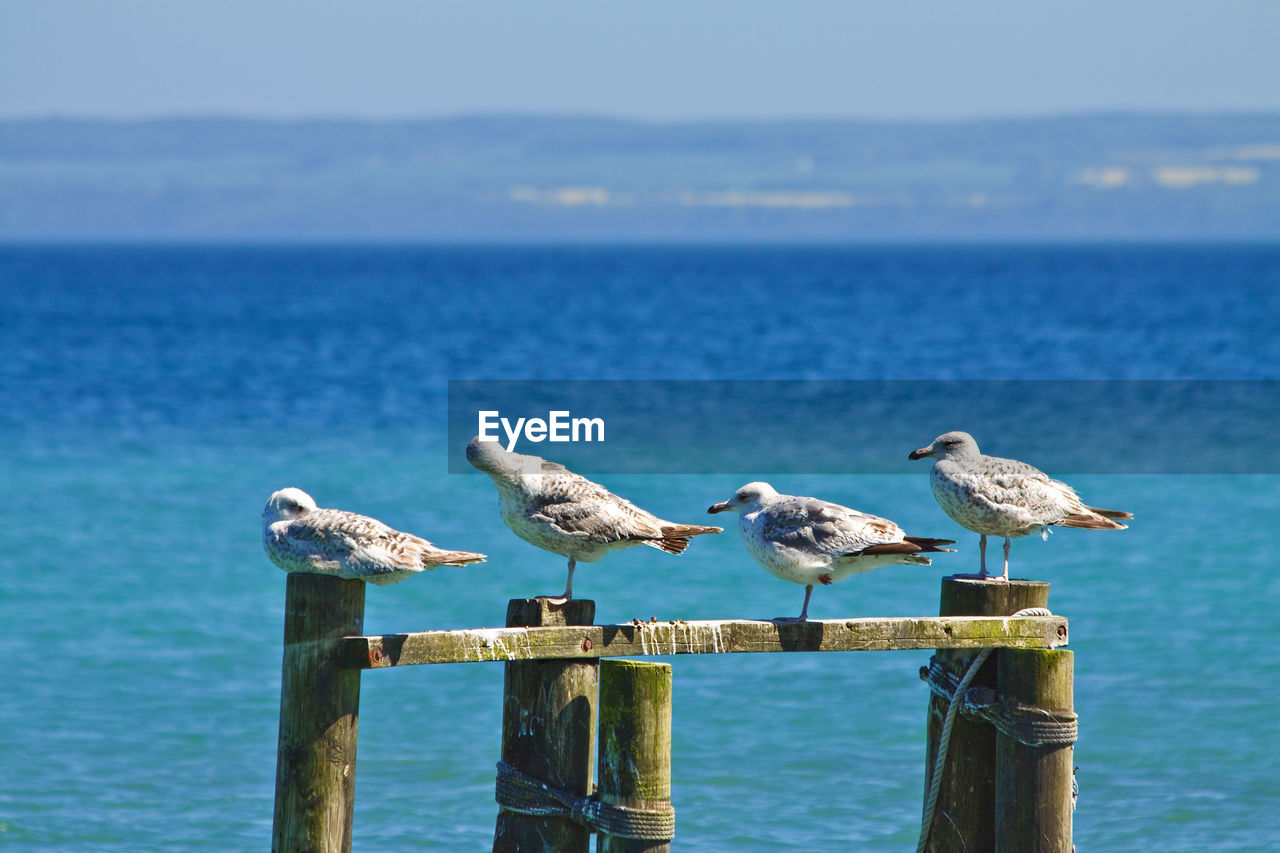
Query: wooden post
point(635, 744)
point(1033, 784)
point(548, 729)
point(319, 715)
point(964, 821)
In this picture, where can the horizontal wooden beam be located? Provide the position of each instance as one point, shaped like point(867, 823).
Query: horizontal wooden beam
point(638, 639)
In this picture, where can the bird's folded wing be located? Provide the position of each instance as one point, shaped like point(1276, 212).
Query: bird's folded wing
point(1040, 496)
point(319, 532)
point(357, 542)
point(321, 547)
point(814, 525)
point(606, 520)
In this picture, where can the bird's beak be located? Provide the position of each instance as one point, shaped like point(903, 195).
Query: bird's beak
point(720, 507)
point(921, 453)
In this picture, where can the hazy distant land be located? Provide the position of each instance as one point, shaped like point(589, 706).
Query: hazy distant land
point(583, 179)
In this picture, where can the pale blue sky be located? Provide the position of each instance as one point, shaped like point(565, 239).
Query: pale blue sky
point(662, 59)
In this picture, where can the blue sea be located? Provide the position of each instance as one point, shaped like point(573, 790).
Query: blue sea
point(153, 397)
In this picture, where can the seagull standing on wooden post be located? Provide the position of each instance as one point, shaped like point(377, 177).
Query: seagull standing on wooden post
point(1004, 497)
point(548, 505)
point(300, 537)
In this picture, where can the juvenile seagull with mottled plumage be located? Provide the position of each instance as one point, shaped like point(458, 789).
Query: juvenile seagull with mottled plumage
point(1004, 497)
point(299, 537)
point(809, 541)
point(548, 505)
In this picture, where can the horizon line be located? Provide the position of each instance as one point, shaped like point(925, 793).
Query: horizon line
point(54, 117)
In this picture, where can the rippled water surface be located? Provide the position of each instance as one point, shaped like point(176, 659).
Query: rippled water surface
point(154, 397)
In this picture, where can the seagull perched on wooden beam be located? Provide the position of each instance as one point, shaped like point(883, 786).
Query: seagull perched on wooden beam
point(548, 505)
point(810, 541)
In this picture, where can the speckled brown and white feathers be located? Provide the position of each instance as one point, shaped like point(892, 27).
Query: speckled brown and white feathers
point(807, 540)
point(299, 537)
point(1004, 497)
point(553, 508)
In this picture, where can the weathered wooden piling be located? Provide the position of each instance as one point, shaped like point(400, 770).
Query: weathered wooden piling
point(319, 715)
point(998, 792)
point(1033, 783)
point(548, 729)
point(965, 818)
point(635, 745)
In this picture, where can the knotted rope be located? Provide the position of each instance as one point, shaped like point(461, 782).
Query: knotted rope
point(1028, 725)
point(519, 792)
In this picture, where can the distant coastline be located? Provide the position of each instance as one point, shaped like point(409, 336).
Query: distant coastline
point(521, 179)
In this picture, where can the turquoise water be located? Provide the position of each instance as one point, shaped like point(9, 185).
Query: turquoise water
point(155, 397)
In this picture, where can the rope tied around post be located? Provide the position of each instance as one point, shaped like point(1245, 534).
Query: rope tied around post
point(1026, 724)
point(1030, 726)
point(519, 792)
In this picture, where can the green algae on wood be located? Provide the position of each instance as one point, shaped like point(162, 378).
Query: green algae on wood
point(548, 728)
point(964, 820)
point(1033, 783)
point(635, 744)
point(319, 716)
point(647, 638)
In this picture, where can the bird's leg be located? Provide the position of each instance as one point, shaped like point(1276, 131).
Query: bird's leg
point(568, 582)
point(804, 611)
point(1005, 576)
point(982, 572)
point(568, 586)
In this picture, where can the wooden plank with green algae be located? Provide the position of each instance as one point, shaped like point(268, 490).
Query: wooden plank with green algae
point(642, 639)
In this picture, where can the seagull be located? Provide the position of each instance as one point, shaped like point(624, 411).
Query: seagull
point(548, 505)
point(808, 541)
point(1004, 497)
point(299, 537)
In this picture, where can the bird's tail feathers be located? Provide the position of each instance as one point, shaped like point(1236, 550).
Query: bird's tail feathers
point(910, 545)
point(1092, 521)
point(1110, 513)
point(452, 558)
point(675, 537)
point(684, 531)
point(672, 545)
point(927, 544)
